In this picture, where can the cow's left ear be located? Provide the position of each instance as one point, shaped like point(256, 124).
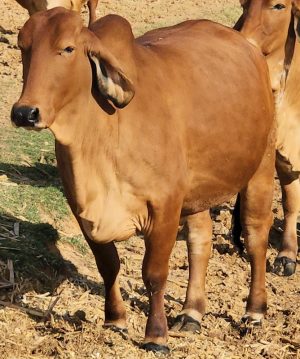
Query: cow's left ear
point(296, 14)
point(112, 81)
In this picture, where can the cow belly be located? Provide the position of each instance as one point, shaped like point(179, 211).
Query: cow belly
point(216, 175)
point(211, 191)
point(203, 203)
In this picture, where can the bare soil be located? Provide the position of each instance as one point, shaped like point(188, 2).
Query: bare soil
point(72, 295)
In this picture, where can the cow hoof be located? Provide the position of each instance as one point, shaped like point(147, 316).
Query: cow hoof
point(284, 266)
point(155, 348)
point(185, 323)
point(250, 321)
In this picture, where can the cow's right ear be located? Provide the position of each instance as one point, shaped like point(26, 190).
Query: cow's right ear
point(112, 81)
point(239, 24)
point(296, 14)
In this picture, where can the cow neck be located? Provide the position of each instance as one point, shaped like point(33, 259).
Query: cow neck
point(87, 155)
point(288, 56)
point(292, 83)
point(86, 130)
point(275, 63)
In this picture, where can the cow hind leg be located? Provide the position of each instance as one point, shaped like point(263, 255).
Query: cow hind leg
point(199, 249)
point(285, 263)
point(108, 263)
point(257, 217)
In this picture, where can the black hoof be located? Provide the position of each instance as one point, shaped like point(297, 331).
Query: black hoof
point(284, 266)
point(155, 348)
point(185, 323)
point(249, 321)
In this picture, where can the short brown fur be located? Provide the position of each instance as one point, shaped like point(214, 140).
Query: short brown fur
point(274, 27)
point(145, 133)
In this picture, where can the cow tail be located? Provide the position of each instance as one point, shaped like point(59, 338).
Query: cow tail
point(236, 225)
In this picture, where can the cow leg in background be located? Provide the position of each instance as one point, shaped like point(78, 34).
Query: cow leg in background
point(92, 5)
point(285, 262)
point(158, 245)
point(256, 218)
point(199, 249)
point(108, 264)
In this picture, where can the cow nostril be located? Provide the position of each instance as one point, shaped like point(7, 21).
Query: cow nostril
point(25, 115)
point(33, 115)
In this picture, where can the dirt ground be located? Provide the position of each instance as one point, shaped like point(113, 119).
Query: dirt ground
point(72, 300)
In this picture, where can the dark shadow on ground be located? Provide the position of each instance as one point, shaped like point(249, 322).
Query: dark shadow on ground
point(36, 174)
point(38, 263)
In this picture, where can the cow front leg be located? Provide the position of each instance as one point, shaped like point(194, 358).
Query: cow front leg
point(158, 245)
point(199, 249)
point(108, 263)
point(285, 263)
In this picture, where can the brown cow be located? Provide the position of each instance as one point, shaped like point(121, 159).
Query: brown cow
point(274, 26)
point(144, 133)
point(34, 6)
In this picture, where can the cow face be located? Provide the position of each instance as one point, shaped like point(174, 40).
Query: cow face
point(266, 23)
point(57, 71)
point(271, 25)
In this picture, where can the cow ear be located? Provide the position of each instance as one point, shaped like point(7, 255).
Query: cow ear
point(239, 24)
point(111, 80)
point(296, 13)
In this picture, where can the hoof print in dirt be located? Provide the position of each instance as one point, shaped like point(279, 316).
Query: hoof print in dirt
point(4, 40)
point(284, 266)
point(185, 323)
point(122, 331)
point(5, 32)
point(155, 348)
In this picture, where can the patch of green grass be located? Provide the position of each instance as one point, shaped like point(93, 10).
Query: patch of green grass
point(31, 202)
point(31, 194)
point(32, 186)
point(229, 15)
point(22, 144)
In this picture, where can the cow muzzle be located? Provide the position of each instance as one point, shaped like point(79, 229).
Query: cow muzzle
point(25, 116)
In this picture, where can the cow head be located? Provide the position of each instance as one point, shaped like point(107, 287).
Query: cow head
point(34, 6)
point(57, 52)
point(269, 25)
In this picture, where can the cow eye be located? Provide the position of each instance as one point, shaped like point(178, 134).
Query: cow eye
point(69, 49)
point(278, 7)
